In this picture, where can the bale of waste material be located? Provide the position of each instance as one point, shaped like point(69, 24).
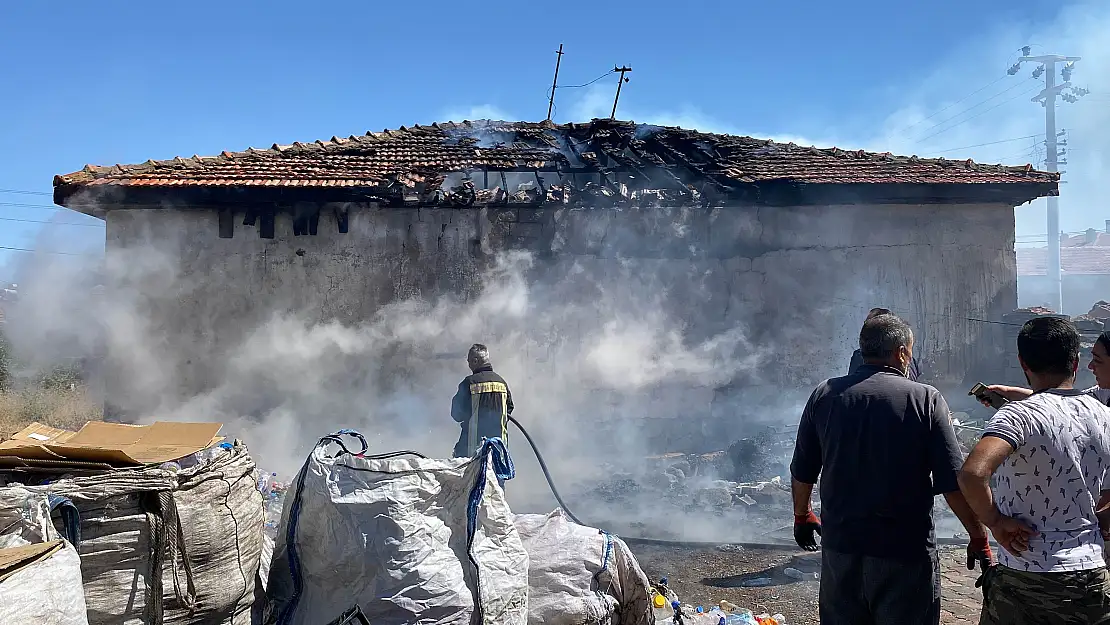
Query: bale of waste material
point(24, 518)
point(161, 546)
point(40, 584)
point(404, 538)
point(579, 574)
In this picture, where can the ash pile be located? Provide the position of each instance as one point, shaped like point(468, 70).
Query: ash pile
point(735, 494)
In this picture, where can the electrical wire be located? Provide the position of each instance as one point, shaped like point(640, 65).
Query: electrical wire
point(24, 192)
point(54, 223)
point(975, 106)
point(22, 205)
point(979, 114)
point(979, 145)
point(585, 83)
point(977, 91)
point(23, 249)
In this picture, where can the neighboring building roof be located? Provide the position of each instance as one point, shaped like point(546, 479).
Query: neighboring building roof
point(1033, 261)
point(1081, 240)
point(417, 160)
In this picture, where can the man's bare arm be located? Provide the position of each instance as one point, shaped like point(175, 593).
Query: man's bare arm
point(975, 477)
point(802, 494)
point(1102, 512)
point(958, 503)
point(1012, 393)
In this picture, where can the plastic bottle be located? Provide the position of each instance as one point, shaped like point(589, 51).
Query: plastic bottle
point(796, 574)
point(740, 618)
point(678, 615)
point(658, 601)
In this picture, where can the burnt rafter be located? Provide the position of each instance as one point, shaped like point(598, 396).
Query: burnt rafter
point(406, 167)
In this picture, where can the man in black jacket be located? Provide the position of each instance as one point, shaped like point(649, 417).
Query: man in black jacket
point(481, 405)
point(913, 373)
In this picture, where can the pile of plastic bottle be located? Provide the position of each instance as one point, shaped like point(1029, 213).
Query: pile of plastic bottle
point(669, 609)
point(273, 495)
point(199, 457)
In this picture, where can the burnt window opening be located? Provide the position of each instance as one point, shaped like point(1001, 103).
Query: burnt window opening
point(306, 219)
point(227, 224)
point(266, 225)
point(250, 217)
point(342, 219)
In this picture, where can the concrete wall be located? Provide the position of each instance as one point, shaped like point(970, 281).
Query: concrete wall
point(799, 280)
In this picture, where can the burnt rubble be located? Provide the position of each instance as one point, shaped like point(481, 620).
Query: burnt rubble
point(744, 488)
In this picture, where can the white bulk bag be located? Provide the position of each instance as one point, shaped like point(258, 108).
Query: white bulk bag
point(581, 574)
point(408, 540)
point(40, 584)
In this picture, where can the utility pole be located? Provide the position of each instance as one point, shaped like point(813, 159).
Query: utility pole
point(1046, 64)
point(620, 82)
point(551, 102)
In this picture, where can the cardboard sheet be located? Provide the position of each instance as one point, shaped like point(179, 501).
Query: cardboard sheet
point(116, 444)
point(16, 558)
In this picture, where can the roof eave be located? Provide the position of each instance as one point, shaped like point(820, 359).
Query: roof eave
point(94, 199)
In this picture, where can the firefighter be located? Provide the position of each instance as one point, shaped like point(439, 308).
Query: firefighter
point(482, 404)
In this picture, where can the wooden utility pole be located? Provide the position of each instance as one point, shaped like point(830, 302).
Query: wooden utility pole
point(555, 82)
point(621, 81)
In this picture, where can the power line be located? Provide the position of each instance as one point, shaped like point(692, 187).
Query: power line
point(979, 145)
point(23, 249)
point(587, 84)
point(979, 90)
point(981, 113)
point(22, 205)
point(23, 192)
point(55, 223)
point(969, 109)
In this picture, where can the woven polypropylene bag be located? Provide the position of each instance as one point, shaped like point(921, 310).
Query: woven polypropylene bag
point(408, 540)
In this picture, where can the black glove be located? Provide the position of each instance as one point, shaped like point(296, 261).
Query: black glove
point(984, 580)
point(804, 527)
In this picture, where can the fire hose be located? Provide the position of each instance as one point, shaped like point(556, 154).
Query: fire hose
point(656, 541)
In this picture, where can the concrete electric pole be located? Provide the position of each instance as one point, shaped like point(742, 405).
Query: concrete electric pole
point(1046, 64)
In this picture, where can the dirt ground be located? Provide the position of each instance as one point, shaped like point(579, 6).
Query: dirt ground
point(706, 576)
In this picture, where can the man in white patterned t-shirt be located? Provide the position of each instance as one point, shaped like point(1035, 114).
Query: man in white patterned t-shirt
point(1051, 456)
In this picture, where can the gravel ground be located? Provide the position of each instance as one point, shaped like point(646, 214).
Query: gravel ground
point(706, 576)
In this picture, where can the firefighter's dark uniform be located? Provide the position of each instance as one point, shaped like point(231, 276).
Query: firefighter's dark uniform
point(481, 406)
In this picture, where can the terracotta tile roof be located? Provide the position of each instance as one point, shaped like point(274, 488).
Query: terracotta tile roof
point(1033, 261)
point(424, 155)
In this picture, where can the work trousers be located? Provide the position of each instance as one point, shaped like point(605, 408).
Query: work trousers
point(865, 590)
point(1022, 598)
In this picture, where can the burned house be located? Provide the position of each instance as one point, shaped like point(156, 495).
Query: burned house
point(793, 243)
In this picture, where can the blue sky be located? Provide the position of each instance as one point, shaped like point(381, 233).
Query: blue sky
point(121, 82)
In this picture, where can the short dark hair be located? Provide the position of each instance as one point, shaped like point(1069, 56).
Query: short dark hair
point(882, 335)
point(478, 354)
point(875, 312)
point(1049, 345)
point(1104, 340)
